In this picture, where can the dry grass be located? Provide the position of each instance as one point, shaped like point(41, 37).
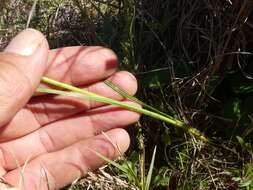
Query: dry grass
point(184, 45)
point(102, 180)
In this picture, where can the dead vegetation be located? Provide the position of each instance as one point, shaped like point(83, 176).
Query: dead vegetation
point(183, 52)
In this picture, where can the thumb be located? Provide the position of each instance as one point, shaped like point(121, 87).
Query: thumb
point(22, 65)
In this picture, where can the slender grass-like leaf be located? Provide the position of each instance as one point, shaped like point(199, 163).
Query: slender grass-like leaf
point(121, 104)
point(127, 170)
point(123, 169)
point(115, 102)
point(92, 96)
point(134, 99)
point(148, 180)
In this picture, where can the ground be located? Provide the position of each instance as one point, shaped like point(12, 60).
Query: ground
point(192, 60)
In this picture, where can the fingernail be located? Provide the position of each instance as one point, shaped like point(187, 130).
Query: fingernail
point(25, 43)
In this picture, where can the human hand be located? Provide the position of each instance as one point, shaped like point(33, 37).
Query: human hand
point(53, 133)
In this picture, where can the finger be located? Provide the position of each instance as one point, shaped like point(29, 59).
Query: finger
point(60, 168)
point(61, 134)
point(81, 65)
point(21, 67)
point(46, 109)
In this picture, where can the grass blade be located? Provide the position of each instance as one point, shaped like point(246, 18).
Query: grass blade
point(92, 96)
point(127, 170)
point(148, 180)
point(134, 99)
point(123, 169)
point(117, 103)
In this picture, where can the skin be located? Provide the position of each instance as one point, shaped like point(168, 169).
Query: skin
point(54, 133)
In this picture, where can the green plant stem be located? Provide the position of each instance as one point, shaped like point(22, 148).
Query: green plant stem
point(93, 96)
point(134, 99)
point(67, 86)
point(142, 154)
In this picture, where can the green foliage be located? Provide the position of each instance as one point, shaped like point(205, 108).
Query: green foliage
point(191, 61)
point(246, 146)
point(155, 79)
point(92, 96)
point(161, 178)
point(127, 38)
point(151, 167)
point(237, 109)
point(246, 181)
point(130, 171)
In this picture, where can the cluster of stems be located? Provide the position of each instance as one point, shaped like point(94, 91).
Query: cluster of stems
point(152, 112)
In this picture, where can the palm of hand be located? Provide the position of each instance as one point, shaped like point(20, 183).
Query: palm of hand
point(52, 133)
